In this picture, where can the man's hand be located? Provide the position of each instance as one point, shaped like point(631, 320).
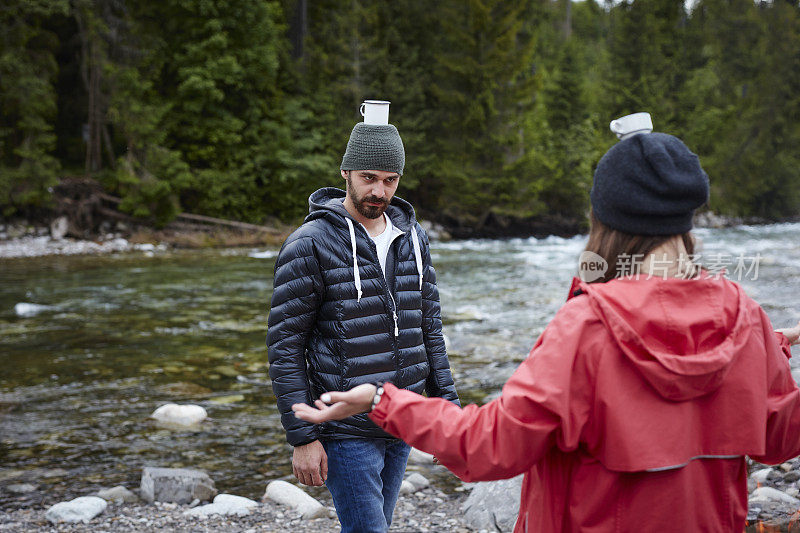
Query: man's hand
point(310, 464)
point(343, 404)
point(793, 334)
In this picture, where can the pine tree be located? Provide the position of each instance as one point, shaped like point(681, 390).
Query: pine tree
point(211, 79)
point(756, 154)
point(483, 90)
point(742, 100)
point(647, 58)
point(405, 35)
point(567, 138)
point(27, 103)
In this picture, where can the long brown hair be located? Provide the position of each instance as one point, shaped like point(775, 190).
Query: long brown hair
point(614, 245)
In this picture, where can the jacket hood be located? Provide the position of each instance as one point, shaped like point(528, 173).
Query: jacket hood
point(327, 203)
point(682, 345)
point(328, 200)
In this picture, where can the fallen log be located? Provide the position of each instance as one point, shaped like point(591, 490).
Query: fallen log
point(230, 223)
point(206, 219)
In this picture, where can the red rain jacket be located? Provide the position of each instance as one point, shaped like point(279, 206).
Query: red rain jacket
point(633, 412)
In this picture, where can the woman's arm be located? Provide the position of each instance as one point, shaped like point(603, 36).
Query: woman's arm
point(545, 403)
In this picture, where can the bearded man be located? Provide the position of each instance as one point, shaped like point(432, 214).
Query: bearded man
point(355, 301)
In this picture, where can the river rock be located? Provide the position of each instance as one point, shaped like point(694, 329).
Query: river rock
point(418, 457)
point(183, 388)
point(791, 477)
point(406, 487)
point(760, 476)
point(224, 504)
point(418, 480)
point(174, 415)
point(49, 473)
point(26, 310)
point(224, 400)
point(21, 488)
point(118, 494)
point(81, 509)
point(466, 314)
point(436, 232)
point(494, 505)
point(178, 485)
point(768, 494)
point(709, 219)
point(285, 493)
point(774, 476)
point(58, 228)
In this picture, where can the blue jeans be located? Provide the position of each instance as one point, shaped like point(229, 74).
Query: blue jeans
point(364, 477)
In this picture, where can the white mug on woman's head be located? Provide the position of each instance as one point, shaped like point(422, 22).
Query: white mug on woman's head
point(375, 112)
point(630, 125)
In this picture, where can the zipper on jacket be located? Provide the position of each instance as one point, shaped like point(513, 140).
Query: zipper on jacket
point(385, 283)
point(394, 313)
point(389, 290)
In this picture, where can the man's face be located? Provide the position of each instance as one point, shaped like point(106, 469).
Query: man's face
point(371, 190)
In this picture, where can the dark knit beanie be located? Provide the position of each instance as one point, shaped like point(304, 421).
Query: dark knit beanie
point(649, 184)
point(374, 147)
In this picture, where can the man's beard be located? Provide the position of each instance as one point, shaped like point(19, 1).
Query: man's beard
point(367, 211)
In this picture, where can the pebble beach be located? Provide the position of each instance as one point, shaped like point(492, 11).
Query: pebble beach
point(428, 510)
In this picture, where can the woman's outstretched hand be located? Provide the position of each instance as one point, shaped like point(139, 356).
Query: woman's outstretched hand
point(793, 334)
point(342, 404)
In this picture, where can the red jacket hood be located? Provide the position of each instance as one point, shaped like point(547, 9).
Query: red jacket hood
point(683, 347)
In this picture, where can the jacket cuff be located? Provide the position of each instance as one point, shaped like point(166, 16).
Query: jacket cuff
point(302, 436)
point(379, 413)
point(786, 346)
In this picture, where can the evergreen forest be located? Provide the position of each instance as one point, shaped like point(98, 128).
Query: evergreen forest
point(241, 108)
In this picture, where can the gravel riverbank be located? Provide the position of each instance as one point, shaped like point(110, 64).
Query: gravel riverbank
point(23, 240)
point(39, 246)
point(429, 510)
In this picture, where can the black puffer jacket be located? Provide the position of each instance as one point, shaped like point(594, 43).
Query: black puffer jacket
point(323, 335)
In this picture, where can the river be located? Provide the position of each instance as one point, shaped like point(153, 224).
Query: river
point(91, 345)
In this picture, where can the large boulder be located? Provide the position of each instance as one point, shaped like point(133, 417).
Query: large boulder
point(172, 415)
point(285, 493)
point(81, 509)
point(224, 504)
point(177, 485)
point(493, 505)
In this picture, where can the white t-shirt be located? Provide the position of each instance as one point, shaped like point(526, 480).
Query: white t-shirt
point(383, 241)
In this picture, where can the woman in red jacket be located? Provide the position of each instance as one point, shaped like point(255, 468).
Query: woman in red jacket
point(639, 402)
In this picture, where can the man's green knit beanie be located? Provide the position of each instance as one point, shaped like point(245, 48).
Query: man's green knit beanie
point(374, 147)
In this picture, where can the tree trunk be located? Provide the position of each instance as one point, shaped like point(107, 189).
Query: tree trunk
point(299, 28)
point(92, 77)
point(356, 48)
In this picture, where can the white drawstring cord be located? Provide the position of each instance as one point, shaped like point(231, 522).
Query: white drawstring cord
point(417, 254)
point(356, 273)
